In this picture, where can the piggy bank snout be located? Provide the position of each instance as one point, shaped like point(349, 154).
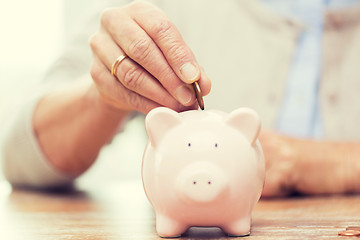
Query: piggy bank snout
point(202, 185)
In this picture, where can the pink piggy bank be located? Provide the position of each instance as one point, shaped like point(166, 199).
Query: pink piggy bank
point(203, 169)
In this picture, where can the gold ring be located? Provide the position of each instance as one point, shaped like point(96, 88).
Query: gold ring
point(116, 64)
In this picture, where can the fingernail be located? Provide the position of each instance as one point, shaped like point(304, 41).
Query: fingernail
point(184, 95)
point(189, 72)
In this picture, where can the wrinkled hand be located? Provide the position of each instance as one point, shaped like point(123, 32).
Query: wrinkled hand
point(280, 158)
point(159, 68)
point(306, 166)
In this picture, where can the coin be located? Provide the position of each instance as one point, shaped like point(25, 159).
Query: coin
point(198, 95)
point(356, 228)
point(349, 233)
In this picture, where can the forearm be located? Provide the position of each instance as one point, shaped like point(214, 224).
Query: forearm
point(72, 125)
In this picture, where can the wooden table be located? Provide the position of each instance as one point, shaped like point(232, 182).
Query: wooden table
point(121, 211)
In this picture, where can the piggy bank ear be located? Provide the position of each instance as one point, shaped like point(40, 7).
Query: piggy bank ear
point(159, 121)
point(247, 121)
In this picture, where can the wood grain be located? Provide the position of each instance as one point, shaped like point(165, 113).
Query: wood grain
point(121, 211)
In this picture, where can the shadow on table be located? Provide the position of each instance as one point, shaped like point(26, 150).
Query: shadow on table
point(204, 233)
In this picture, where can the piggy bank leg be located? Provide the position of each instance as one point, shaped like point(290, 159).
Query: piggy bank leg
point(167, 227)
point(239, 228)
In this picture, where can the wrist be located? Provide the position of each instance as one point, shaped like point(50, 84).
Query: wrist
point(76, 119)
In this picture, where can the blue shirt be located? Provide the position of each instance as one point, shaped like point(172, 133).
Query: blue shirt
point(300, 114)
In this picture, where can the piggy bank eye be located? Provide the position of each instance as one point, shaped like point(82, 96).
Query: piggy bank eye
point(216, 145)
point(189, 144)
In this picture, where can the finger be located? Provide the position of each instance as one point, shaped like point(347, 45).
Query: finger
point(130, 74)
point(115, 94)
point(134, 77)
point(167, 37)
point(141, 48)
point(204, 82)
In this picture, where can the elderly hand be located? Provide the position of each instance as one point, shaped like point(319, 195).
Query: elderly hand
point(159, 68)
point(308, 166)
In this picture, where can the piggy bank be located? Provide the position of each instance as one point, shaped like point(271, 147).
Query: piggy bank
point(203, 169)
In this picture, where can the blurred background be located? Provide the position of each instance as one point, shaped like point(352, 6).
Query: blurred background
point(33, 34)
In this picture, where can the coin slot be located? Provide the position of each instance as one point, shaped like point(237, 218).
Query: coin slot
point(216, 145)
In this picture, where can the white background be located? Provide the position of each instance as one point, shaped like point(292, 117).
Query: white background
point(32, 35)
